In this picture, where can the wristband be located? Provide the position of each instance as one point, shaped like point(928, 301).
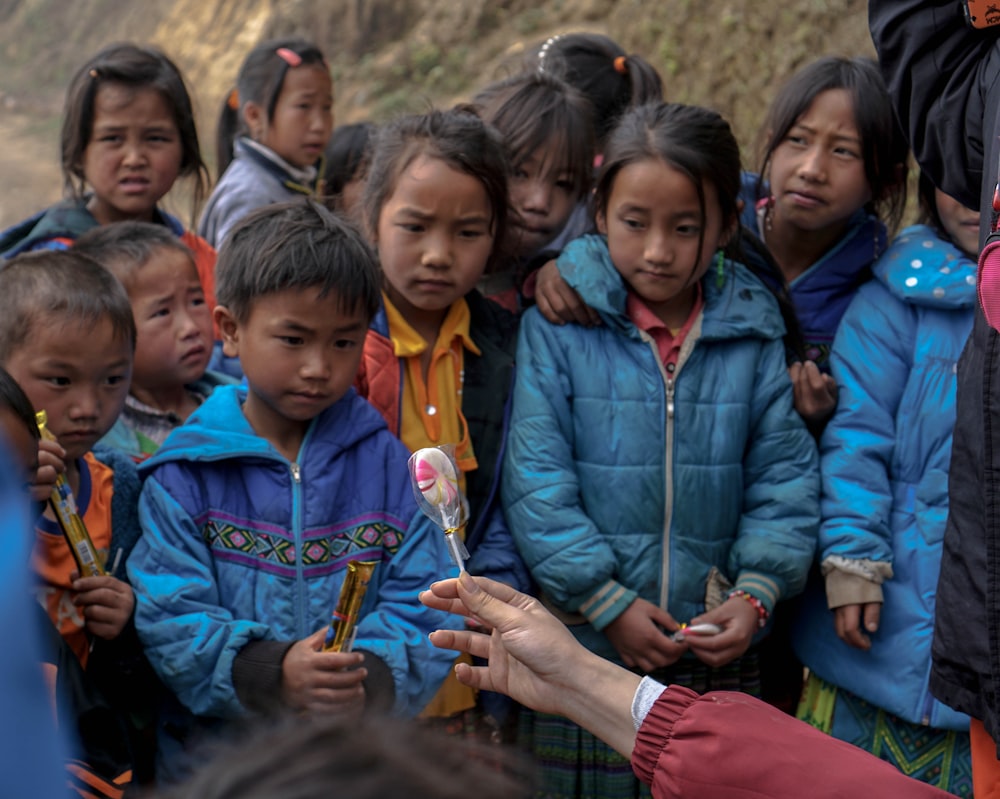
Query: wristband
point(756, 604)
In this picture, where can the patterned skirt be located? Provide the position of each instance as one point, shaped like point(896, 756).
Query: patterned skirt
point(940, 758)
point(573, 764)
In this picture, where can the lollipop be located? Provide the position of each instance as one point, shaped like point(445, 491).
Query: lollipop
point(435, 485)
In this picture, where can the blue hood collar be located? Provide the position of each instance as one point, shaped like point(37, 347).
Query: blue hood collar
point(922, 269)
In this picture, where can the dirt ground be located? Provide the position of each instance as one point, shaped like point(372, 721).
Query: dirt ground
point(30, 178)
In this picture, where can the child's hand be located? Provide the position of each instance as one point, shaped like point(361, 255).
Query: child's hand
point(815, 392)
point(558, 302)
point(107, 604)
point(318, 681)
point(738, 620)
point(638, 635)
point(50, 466)
point(847, 622)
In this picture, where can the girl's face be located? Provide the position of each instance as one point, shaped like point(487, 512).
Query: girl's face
point(654, 225)
point(434, 238)
point(542, 194)
point(303, 116)
point(134, 154)
point(960, 223)
point(817, 172)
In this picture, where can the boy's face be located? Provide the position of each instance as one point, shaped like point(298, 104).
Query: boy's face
point(299, 353)
point(173, 323)
point(78, 373)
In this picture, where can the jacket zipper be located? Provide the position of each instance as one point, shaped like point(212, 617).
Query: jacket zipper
point(297, 534)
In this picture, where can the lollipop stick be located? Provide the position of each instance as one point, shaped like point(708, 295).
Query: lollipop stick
point(457, 550)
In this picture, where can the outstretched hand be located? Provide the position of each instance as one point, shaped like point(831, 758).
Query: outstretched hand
point(534, 659)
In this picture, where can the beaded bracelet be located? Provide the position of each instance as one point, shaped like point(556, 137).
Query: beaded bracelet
point(756, 604)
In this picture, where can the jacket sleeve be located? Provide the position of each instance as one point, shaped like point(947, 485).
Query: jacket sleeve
point(938, 71)
point(566, 553)
point(396, 628)
point(727, 745)
point(190, 639)
point(871, 363)
point(776, 538)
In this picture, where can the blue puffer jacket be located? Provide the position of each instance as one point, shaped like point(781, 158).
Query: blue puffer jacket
point(239, 545)
point(621, 481)
point(885, 458)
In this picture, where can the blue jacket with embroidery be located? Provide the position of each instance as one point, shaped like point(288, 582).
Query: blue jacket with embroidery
point(621, 481)
point(239, 545)
point(821, 294)
point(885, 459)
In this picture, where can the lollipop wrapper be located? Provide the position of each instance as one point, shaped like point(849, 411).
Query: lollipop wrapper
point(434, 477)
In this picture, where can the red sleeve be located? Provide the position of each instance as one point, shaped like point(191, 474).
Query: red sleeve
point(727, 745)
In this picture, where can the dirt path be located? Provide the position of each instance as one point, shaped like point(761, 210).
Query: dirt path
point(30, 178)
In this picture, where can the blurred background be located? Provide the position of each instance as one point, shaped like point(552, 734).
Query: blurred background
point(391, 56)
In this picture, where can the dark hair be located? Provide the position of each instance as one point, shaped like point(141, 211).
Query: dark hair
point(12, 396)
point(134, 67)
point(314, 757)
point(296, 245)
point(459, 138)
point(125, 247)
point(883, 144)
point(695, 141)
point(599, 68)
point(531, 110)
point(259, 81)
point(347, 156)
point(62, 283)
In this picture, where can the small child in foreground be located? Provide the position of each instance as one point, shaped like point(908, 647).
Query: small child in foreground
point(173, 328)
point(252, 510)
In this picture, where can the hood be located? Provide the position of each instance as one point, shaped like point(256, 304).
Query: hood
point(738, 308)
point(921, 268)
point(218, 430)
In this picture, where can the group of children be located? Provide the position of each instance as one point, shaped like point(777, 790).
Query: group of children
point(725, 379)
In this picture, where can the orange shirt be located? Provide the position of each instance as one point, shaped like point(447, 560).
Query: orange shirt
point(668, 342)
point(53, 561)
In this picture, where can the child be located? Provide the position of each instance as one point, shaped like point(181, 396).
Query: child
point(885, 462)
point(67, 338)
point(347, 158)
point(280, 115)
point(128, 133)
point(252, 510)
point(656, 473)
point(547, 131)
point(173, 325)
point(439, 358)
point(833, 167)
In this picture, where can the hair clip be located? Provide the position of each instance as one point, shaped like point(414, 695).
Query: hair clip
point(94, 74)
point(621, 65)
point(233, 100)
point(545, 49)
point(290, 57)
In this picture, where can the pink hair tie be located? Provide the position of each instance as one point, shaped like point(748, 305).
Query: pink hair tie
point(290, 57)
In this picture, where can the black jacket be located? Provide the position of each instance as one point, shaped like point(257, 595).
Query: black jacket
point(943, 77)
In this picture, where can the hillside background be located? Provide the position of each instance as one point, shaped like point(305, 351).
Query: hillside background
point(390, 56)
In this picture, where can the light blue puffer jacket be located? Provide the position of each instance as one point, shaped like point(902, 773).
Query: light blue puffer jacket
point(885, 458)
point(240, 545)
point(620, 481)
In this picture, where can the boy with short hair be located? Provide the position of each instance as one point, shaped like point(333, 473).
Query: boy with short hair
point(252, 510)
point(67, 338)
point(173, 326)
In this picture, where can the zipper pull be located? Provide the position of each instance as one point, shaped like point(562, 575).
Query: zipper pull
point(296, 472)
point(670, 398)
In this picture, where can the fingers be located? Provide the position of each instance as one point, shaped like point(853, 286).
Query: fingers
point(475, 644)
point(846, 621)
point(872, 616)
point(474, 676)
point(559, 302)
